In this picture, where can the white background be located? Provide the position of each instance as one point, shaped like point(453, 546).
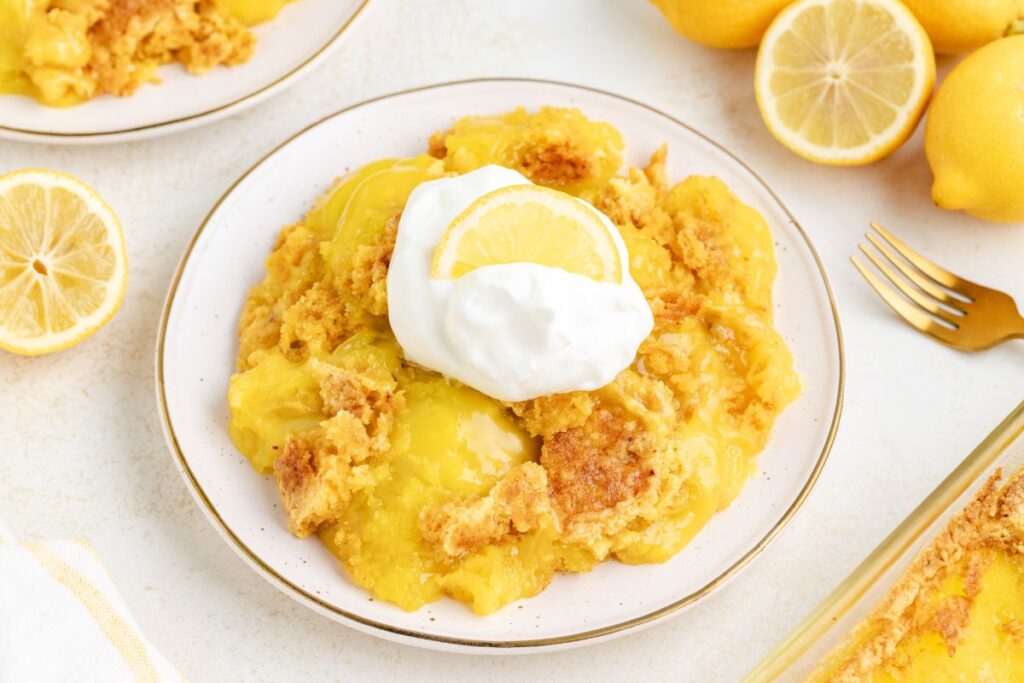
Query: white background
point(81, 452)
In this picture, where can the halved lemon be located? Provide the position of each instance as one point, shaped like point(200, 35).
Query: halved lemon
point(529, 224)
point(63, 267)
point(844, 82)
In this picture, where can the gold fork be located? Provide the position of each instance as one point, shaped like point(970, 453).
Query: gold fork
point(957, 312)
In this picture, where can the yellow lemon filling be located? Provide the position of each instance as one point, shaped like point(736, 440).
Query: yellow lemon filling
point(63, 52)
point(988, 621)
point(423, 487)
point(958, 613)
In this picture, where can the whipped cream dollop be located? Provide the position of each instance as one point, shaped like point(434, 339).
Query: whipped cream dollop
point(513, 331)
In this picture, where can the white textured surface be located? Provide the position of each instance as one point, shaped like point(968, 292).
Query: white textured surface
point(80, 445)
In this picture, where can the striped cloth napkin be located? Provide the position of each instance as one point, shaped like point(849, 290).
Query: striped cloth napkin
point(62, 619)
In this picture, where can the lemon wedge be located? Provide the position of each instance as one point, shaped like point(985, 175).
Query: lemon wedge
point(63, 267)
point(528, 224)
point(844, 82)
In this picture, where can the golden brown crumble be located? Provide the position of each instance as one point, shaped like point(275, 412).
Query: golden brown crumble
point(556, 161)
point(547, 415)
point(672, 307)
point(596, 466)
point(436, 146)
point(364, 395)
point(313, 471)
point(84, 48)
point(312, 475)
point(613, 467)
point(965, 548)
point(297, 267)
point(366, 277)
point(316, 322)
point(516, 505)
point(597, 445)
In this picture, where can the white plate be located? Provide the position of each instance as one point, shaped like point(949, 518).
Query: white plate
point(197, 346)
point(299, 38)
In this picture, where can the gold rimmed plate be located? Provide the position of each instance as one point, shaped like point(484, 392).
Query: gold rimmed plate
point(288, 47)
point(197, 345)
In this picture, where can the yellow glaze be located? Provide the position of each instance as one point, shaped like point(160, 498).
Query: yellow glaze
point(992, 646)
point(534, 144)
point(64, 52)
point(450, 441)
point(702, 396)
point(12, 46)
point(957, 614)
point(252, 12)
point(354, 213)
point(956, 636)
point(274, 399)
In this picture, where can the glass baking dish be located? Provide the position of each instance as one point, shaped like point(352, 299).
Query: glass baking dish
point(797, 656)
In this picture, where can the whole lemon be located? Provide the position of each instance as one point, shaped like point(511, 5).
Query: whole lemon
point(721, 23)
point(975, 134)
point(957, 26)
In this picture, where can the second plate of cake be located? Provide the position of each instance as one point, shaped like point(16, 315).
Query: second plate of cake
point(239, 53)
point(486, 466)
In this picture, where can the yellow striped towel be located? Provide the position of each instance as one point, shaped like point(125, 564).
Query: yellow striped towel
point(62, 619)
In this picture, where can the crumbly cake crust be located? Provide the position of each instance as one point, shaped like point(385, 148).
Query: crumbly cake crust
point(84, 48)
point(630, 470)
point(993, 520)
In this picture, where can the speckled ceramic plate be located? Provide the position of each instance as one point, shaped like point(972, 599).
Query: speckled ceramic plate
point(288, 47)
point(197, 347)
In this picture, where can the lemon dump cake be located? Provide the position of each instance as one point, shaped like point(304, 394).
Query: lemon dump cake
point(425, 486)
point(63, 52)
point(958, 612)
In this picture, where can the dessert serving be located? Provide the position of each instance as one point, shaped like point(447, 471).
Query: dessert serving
point(64, 52)
point(958, 612)
point(474, 368)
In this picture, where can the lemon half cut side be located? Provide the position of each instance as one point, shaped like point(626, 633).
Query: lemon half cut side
point(529, 224)
point(844, 82)
point(63, 263)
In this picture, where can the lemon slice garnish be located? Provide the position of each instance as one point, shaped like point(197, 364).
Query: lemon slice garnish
point(63, 267)
point(528, 224)
point(844, 82)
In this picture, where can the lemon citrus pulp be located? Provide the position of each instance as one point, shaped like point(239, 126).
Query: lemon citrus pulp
point(528, 224)
point(63, 268)
point(844, 82)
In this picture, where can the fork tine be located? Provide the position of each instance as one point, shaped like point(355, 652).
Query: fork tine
point(934, 271)
point(922, 281)
point(917, 318)
point(910, 292)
